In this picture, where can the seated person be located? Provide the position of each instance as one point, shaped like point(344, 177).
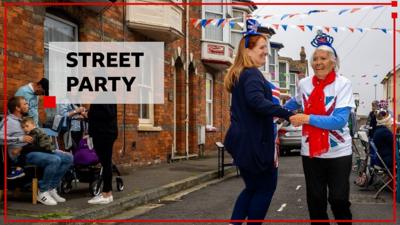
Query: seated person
point(54, 165)
point(41, 141)
point(16, 169)
point(383, 138)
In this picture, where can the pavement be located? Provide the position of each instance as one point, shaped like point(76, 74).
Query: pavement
point(141, 186)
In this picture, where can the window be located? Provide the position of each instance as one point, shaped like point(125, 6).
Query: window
point(292, 83)
point(282, 75)
point(272, 63)
point(239, 16)
point(56, 30)
point(146, 111)
point(214, 12)
point(209, 99)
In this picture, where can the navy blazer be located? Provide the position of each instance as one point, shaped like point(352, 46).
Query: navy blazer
point(250, 138)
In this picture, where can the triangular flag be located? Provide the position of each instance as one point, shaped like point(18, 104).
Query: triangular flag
point(224, 22)
point(267, 16)
point(354, 10)
point(232, 24)
point(284, 16)
point(195, 22)
point(343, 11)
point(313, 11)
point(284, 26)
point(360, 29)
point(327, 29)
point(220, 21)
point(209, 21)
point(301, 27)
point(203, 22)
point(310, 27)
point(214, 22)
point(294, 14)
point(276, 26)
point(351, 29)
point(335, 29)
point(384, 30)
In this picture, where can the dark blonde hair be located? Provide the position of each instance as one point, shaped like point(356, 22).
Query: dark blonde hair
point(242, 60)
point(26, 120)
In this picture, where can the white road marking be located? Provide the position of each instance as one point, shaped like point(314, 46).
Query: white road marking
point(298, 187)
point(282, 207)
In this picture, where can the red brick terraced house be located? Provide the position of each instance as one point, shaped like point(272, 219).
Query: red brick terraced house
point(195, 113)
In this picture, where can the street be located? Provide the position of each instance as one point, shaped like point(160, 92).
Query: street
point(216, 200)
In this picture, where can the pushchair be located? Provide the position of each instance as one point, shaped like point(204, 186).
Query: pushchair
point(87, 169)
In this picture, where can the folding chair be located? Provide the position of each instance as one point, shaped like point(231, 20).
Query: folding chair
point(381, 173)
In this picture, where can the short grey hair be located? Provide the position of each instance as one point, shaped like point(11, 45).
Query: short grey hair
point(335, 59)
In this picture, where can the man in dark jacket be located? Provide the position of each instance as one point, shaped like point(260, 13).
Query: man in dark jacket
point(104, 131)
point(371, 120)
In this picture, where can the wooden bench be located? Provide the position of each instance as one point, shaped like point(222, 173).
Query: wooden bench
point(31, 176)
point(221, 160)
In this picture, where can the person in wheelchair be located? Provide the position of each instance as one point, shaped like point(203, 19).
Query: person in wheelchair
point(383, 138)
point(54, 165)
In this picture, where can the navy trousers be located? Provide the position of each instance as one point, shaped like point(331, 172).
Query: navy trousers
point(253, 202)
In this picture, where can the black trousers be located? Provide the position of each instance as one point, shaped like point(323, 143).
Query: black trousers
point(328, 180)
point(104, 147)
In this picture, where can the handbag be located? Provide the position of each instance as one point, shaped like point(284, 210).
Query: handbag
point(84, 155)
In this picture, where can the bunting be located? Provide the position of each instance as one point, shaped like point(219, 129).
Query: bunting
point(221, 22)
point(316, 11)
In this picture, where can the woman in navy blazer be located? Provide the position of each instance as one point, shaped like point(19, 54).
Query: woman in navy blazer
point(250, 138)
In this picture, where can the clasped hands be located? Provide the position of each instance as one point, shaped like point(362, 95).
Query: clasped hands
point(299, 119)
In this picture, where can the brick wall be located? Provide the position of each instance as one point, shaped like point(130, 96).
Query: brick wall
point(25, 48)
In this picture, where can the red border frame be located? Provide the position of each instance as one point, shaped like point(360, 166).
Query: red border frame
point(10, 4)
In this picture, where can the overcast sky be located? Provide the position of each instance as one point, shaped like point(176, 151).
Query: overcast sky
point(368, 53)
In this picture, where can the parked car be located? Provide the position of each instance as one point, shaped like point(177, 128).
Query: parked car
point(289, 138)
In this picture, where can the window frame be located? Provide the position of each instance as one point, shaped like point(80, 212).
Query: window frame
point(210, 101)
point(292, 85)
point(46, 45)
point(147, 122)
point(274, 76)
point(285, 75)
point(225, 31)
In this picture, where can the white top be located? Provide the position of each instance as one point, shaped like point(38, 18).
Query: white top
point(339, 94)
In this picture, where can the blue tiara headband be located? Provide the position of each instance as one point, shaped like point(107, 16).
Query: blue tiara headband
point(323, 39)
point(252, 26)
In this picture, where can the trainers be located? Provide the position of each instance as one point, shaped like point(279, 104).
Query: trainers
point(53, 193)
point(101, 200)
point(14, 174)
point(45, 198)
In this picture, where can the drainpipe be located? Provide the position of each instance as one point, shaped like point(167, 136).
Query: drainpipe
point(174, 135)
point(187, 81)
